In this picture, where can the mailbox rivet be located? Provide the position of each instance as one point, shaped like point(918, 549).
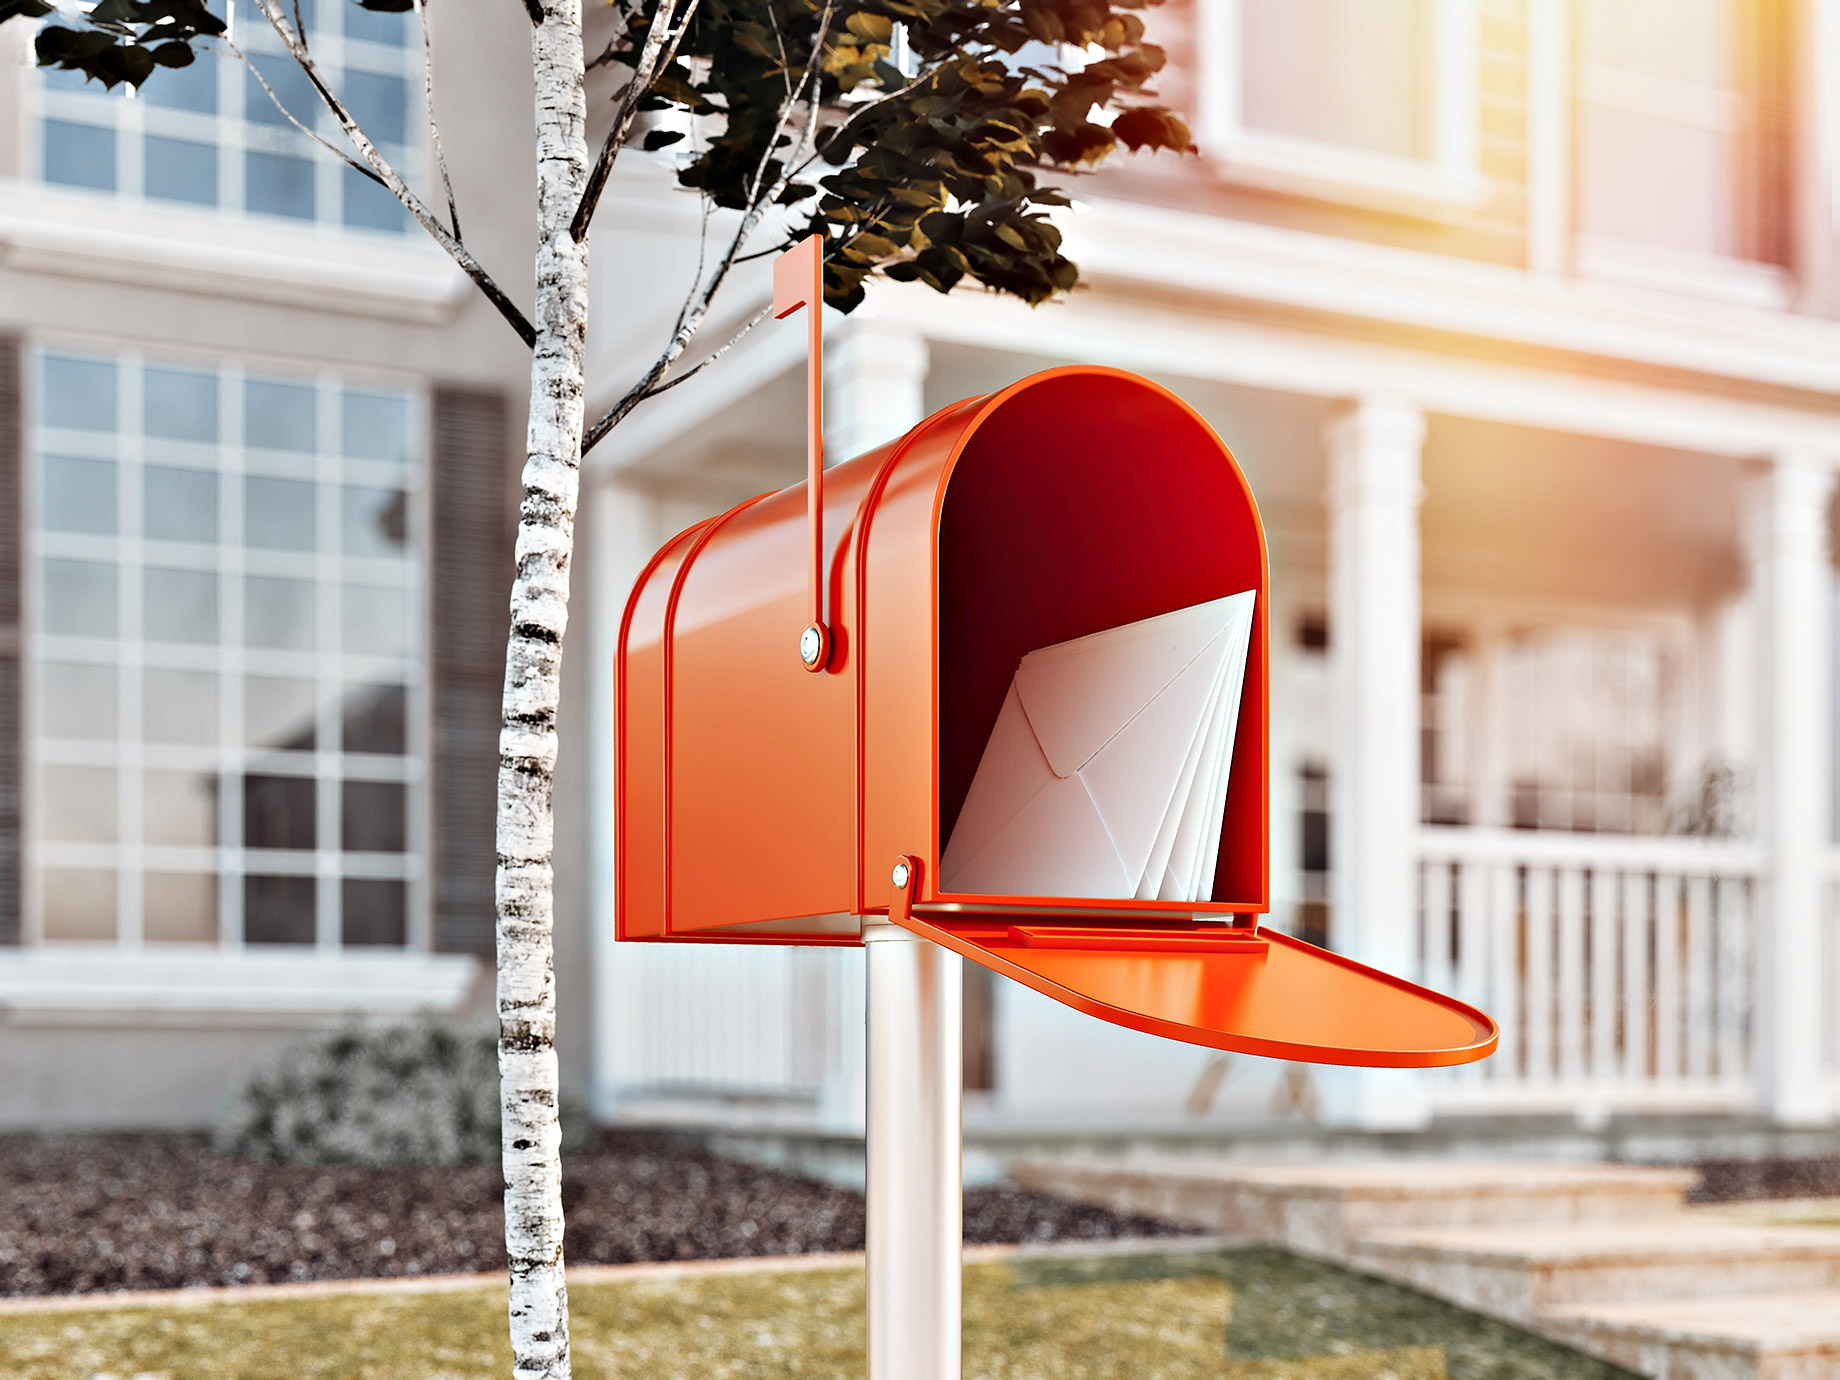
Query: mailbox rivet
point(811, 645)
point(902, 875)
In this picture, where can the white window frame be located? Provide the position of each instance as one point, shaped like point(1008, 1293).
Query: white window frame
point(1447, 182)
point(131, 118)
point(130, 754)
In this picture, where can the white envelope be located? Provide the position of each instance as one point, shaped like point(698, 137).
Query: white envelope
point(1106, 773)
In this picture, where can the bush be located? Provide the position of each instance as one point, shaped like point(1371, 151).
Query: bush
point(423, 1092)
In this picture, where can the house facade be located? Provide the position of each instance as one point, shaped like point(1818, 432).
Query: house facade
point(1518, 314)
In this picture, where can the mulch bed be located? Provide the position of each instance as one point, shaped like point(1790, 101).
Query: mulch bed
point(80, 1214)
point(1729, 1181)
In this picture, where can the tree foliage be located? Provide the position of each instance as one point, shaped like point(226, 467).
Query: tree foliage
point(936, 121)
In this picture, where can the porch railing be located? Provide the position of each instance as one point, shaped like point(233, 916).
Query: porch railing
point(1620, 968)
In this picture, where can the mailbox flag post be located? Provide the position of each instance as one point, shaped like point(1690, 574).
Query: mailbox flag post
point(806, 686)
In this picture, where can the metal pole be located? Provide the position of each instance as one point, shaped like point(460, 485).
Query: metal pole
point(916, 1192)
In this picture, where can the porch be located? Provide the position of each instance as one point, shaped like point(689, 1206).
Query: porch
point(1552, 667)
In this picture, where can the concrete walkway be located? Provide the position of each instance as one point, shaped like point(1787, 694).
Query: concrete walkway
point(1606, 1258)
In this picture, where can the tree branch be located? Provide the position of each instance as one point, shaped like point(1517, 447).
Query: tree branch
point(646, 389)
point(390, 178)
point(649, 65)
point(288, 115)
point(434, 129)
point(759, 198)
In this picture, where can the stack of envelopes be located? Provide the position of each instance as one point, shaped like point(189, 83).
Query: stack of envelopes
point(1106, 773)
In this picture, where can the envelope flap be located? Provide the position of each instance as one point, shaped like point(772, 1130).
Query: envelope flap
point(1078, 695)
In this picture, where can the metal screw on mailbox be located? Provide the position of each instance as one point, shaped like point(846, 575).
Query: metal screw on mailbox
point(811, 645)
point(901, 874)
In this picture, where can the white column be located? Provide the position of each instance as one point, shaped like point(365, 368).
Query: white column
point(915, 1145)
point(874, 386)
point(1549, 136)
point(1786, 542)
point(1374, 496)
point(621, 522)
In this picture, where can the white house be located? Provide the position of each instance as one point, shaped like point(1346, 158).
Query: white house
point(1520, 317)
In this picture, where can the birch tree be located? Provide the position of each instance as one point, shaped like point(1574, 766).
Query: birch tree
point(913, 135)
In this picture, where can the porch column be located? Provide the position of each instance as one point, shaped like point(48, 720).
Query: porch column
point(1374, 496)
point(1786, 543)
point(874, 386)
point(874, 390)
point(619, 523)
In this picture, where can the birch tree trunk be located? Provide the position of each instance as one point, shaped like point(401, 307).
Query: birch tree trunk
point(532, 1134)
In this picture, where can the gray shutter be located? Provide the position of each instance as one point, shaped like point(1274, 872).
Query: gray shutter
point(12, 748)
point(474, 532)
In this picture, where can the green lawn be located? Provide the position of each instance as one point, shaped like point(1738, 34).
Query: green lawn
point(1249, 1314)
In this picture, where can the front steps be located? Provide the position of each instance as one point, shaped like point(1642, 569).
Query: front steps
point(1606, 1258)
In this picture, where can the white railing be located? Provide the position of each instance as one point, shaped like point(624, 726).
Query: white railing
point(1619, 968)
point(719, 1021)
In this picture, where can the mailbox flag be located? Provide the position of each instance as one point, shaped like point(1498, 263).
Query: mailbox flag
point(1106, 773)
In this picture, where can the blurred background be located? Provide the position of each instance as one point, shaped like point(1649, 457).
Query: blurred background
point(1519, 315)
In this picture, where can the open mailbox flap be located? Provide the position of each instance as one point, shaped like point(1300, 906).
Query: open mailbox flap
point(1227, 987)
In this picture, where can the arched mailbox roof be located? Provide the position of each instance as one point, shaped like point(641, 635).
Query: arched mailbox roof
point(759, 803)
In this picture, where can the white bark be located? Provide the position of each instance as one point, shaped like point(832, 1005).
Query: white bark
point(532, 1144)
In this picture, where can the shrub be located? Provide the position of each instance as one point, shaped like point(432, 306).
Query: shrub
point(421, 1092)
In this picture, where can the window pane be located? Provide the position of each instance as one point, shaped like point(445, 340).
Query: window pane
point(77, 804)
point(278, 185)
point(79, 155)
point(76, 701)
point(369, 206)
point(179, 807)
point(278, 812)
point(374, 521)
point(78, 598)
point(79, 393)
point(376, 720)
point(79, 903)
point(179, 907)
point(278, 910)
point(375, 27)
point(179, 706)
point(277, 613)
point(374, 624)
point(279, 416)
point(280, 714)
point(181, 404)
point(179, 605)
point(375, 426)
point(181, 170)
point(278, 513)
point(290, 86)
point(179, 505)
point(373, 912)
point(76, 495)
point(1338, 72)
point(380, 104)
point(371, 817)
point(185, 88)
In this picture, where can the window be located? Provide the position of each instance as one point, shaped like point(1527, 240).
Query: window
point(1371, 100)
point(1585, 731)
point(209, 135)
point(1682, 138)
point(227, 665)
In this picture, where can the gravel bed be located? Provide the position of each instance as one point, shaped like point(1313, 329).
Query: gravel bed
point(81, 1214)
point(1733, 1181)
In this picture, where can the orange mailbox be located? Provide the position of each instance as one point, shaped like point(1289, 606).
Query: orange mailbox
point(760, 802)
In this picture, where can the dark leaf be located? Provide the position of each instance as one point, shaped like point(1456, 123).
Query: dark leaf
point(660, 138)
point(174, 55)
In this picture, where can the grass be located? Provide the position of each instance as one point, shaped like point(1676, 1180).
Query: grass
point(1241, 1314)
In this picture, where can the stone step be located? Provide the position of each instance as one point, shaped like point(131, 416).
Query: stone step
point(1320, 1209)
point(1786, 1336)
point(1521, 1272)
